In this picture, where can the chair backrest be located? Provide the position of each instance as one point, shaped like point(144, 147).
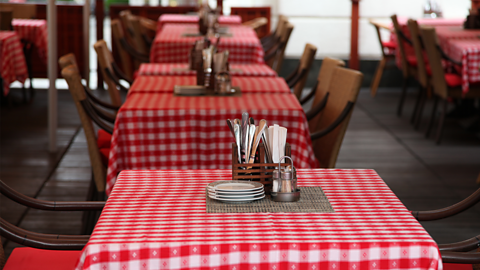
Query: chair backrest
point(67, 60)
point(21, 10)
point(400, 45)
point(105, 60)
point(418, 48)
point(6, 16)
point(305, 64)
point(138, 39)
point(324, 78)
point(256, 23)
point(77, 91)
point(344, 87)
point(430, 42)
point(281, 23)
point(127, 26)
point(117, 35)
point(281, 52)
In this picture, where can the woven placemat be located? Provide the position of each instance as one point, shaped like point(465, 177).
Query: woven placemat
point(312, 200)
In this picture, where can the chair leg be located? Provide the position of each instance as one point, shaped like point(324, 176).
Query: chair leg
point(441, 121)
point(432, 117)
point(419, 116)
point(377, 77)
point(417, 104)
point(402, 96)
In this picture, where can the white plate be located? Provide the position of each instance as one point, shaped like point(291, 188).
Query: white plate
point(234, 186)
point(235, 195)
point(228, 193)
point(239, 200)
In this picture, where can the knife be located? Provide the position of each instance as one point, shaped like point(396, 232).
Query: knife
point(244, 133)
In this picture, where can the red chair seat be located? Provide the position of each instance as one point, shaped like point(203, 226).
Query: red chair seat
point(26, 258)
point(453, 80)
point(389, 45)
point(457, 266)
point(103, 139)
point(104, 154)
point(135, 74)
point(412, 60)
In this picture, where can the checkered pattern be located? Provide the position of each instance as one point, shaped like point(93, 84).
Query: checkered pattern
point(170, 46)
point(468, 53)
point(34, 31)
point(12, 61)
point(162, 131)
point(165, 84)
point(179, 18)
point(158, 220)
point(251, 70)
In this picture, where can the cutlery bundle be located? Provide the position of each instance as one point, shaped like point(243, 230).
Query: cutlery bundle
point(247, 137)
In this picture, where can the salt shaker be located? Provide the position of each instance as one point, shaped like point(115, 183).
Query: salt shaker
point(288, 181)
point(275, 181)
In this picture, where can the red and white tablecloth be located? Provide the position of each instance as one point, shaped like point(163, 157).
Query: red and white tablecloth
point(34, 31)
point(181, 18)
point(171, 46)
point(12, 61)
point(162, 69)
point(468, 53)
point(158, 220)
point(165, 84)
point(162, 131)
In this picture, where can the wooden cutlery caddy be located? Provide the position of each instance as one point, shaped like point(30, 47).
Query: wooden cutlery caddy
point(259, 171)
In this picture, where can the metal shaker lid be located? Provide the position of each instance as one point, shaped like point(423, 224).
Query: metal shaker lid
point(276, 174)
point(287, 173)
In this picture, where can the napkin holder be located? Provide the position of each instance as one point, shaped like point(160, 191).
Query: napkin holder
point(259, 170)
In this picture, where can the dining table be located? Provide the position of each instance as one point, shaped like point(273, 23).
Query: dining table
point(174, 42)
point(193, 19)
point(162, 219)
point(12, 60)
point(162, 131)
point(165, 69)
point(246, 85)
point(35, 32)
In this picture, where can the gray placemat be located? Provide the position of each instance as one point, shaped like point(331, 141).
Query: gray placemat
point(312, 200)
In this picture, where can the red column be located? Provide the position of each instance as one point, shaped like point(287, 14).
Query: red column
point(354, 62)
point(475, 4)
point(220, 4)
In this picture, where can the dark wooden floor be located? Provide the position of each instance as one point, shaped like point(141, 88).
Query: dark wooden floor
point(422, 174)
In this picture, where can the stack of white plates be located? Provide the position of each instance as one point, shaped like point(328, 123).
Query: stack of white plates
point(235, 191)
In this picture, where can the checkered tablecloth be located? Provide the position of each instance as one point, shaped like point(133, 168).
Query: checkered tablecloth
point(34, 31)
point(162, 131)
point(251, 70)
point(468, 53)
point(165, 84)
point(169, 46)
point(12, 61)
point(180, 18)
point(158, 220)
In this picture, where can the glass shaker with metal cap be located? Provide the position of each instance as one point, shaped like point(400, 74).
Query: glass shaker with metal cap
point(287, 183)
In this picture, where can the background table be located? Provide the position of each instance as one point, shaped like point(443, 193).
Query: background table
point(179, 18)
point(251, 70)
point(170, 46)
point(248, 85)
point(34, 31)
point(12, 61)
point(161, 131)
point(468, 53)
point(158, 220)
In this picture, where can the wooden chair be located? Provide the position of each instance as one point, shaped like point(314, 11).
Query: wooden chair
point(21, 10)
point(270, 40)
point(133, 32)
point(274, 57)
point(445, 85)
point(256, 23)
point(409, 64)
point(111, 72)
point(125, 51)
point(342, 95)
point(422, 75)
point(388, 56)
point(64, 250)
point(6, 16)
point(456, 255)
point(298, 78)
point(319, 91)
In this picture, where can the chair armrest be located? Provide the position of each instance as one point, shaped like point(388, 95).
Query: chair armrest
point(297, 77)
point(103, 114)
point(48, 205)
point(120, 73)
point(460, 257)
point(310, 95)
point(446, 57)
point(450, 210)
point(335, 123)
point(89, 110)
point(272, 52)
point(462, 246)
point(318, 108)
point(115, 79)
point(100, 102)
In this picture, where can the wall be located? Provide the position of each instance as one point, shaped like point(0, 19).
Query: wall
point(326, 23)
